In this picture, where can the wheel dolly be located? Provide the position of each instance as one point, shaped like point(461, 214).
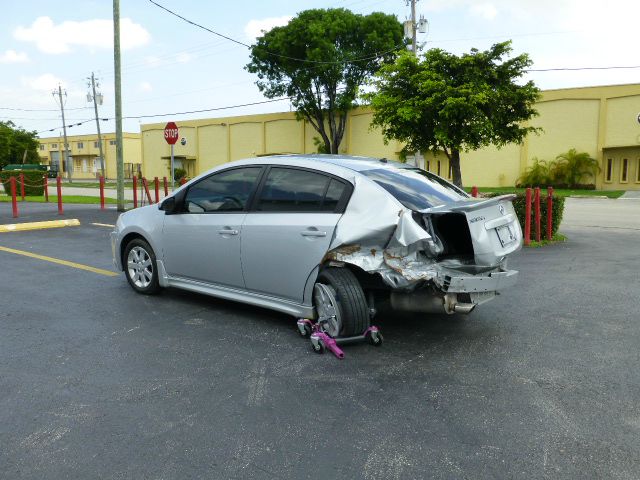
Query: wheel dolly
point(321, 341)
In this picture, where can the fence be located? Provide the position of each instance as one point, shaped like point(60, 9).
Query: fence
point(21, 183)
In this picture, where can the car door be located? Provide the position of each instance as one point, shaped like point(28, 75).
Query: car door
point(202, 241)
point(289, 229)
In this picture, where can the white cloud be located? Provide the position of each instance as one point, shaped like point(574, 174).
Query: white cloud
point(256, 28)
point(44, 82)
point(485, 10)
point(11, 56)
point(145, 87)
point(98, 33)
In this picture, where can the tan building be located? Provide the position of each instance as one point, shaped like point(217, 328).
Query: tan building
point(84, 154)
point(602, 121)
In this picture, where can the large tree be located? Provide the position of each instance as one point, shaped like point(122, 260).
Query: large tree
point(320, 59)
point(449, 103)
point(17, 145)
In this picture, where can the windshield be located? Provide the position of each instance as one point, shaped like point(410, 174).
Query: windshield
point(415, 188)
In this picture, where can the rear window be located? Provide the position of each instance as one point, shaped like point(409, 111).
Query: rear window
point(414, 188)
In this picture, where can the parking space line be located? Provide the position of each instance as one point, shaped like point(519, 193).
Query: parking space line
point(16, 227)
point(67, 263)
point(103, 225)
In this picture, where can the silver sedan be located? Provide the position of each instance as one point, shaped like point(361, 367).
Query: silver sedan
point(323, 237)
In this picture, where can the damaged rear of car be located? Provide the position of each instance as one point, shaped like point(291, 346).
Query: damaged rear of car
point(433, 248)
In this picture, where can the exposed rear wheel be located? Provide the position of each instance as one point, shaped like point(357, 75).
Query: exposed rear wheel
point(340, 302)
point(140, 267)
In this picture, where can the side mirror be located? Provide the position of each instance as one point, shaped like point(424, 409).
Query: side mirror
point(168, 205)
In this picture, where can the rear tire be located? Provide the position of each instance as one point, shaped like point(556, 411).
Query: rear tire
point(140, 267)
point(352, 309)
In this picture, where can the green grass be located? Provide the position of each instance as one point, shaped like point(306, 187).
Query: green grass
point(557, 238)
point(559, 192)
point(53, 199)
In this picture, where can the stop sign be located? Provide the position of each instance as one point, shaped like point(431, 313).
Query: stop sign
point(171, 133)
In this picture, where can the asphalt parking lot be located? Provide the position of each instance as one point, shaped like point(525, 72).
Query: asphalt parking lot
point(99, 382)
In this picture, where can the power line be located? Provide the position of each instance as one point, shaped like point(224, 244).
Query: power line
point(320, 62)
point(575, 69)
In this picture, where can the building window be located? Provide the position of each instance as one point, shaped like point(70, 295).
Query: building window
point(638, 171)
point(41, 147)
point(54, 145)
point(428, 165)
point(609, 172)
point(80, 144)
point(95, 145)
point(438, 168)
point(624, 172)
point(112, 142)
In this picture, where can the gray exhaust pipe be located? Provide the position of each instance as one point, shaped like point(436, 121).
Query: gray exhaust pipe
point(427, 302)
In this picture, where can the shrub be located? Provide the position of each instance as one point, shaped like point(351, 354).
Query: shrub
point(179, 173)
point(33, 181)
point(568, 170)
point(519, 205)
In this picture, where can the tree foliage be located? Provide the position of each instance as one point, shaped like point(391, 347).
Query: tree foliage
point(444, 102)
point(320, 59)
point(14, 142)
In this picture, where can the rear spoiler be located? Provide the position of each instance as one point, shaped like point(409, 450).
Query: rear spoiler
point(469, 205)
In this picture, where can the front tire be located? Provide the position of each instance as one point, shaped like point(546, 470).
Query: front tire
point(140, 267)
point(338, 293)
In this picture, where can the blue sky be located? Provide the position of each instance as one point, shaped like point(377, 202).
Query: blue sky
point(171, 66)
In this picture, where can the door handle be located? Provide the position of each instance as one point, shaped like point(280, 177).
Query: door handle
point(313, 233)
point(228, 231)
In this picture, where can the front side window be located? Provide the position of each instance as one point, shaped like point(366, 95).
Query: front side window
point(415, 188)
point(227, 191)
point(292, 190)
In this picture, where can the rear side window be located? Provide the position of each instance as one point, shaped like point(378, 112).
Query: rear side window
point(226, 191)
point(414, 188)
point(293, 190)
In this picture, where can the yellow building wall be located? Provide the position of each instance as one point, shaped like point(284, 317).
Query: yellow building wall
point(622, 122)
point(213, 145)
point(566, 124)
point(283, 136)
point(589, 119)
point(368, 142)
point(491, 167)
point(246, 140)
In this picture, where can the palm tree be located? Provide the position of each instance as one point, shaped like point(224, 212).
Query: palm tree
point(573, 166)
point(539, 173)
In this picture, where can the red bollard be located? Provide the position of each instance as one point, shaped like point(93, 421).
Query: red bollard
point(537, 212)
point(59, 188)
point(46, 189)
point(157, 188)
point(166, 188)
point(14, 201)
point(101, 193)
point(549, 212)
point(135, 192)
point(146, 189)
point(527, 217)
point(22, 185)
point(474, 191)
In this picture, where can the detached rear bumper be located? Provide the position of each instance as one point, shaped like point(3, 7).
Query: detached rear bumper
point(490, 282)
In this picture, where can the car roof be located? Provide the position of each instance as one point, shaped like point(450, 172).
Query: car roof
point(351, 162)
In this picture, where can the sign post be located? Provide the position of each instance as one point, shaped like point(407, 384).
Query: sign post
point(171, 136)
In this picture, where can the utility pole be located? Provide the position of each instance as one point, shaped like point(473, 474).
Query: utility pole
point(414, 26)
point(97, 99)
point(118, 99)
point(64, 129)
